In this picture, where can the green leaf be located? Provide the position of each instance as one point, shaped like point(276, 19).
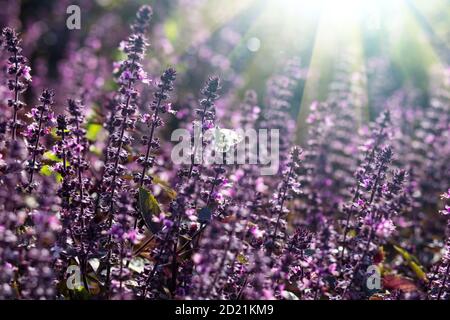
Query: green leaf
point(81, 293)
point(242, 259)
point(418, 271)
point(172, 194)
point(46, 170)
point(352, 233)
point(58, 177)
point(148, 206)
point(54, 135)
point(413, 263)
point(51, 156)
point(48, 155)
point(171, 30)
point(93, 130)
point(405, 254)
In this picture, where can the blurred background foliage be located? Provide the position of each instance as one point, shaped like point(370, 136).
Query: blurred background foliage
point(388, 44)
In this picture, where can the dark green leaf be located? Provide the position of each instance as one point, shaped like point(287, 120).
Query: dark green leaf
point(149, 207)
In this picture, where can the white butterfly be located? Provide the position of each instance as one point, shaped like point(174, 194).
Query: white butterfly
point(223, 139)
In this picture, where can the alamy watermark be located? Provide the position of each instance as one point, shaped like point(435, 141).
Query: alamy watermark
point(373, 281)
point(73, 281)
point(217, 146)
point(73, 21)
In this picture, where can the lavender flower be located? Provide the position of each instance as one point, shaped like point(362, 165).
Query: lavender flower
point(19, 72)
point(43, 118)
point(366, 172)
point(158, 107)
point(131, 72)
point(378, 207)
point(440, 286)
point(288, 187)
point(190, 179)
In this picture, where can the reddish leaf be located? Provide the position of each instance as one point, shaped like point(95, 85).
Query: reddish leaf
point(393, 282)
point(379, 256)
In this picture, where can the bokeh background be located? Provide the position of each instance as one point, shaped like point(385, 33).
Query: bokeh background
point(383, 45)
